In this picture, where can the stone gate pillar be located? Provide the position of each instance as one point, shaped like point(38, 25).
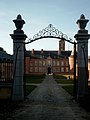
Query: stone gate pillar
point(82, 37)
point(18, 37)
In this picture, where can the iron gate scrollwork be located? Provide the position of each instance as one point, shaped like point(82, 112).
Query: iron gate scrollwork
point(49, 32)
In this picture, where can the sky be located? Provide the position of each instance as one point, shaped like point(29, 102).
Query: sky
point(38, 14)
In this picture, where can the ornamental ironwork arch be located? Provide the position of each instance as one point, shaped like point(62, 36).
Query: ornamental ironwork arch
point(49, 32)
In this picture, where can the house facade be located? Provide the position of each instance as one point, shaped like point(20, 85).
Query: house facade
point(56, 62)
point(43, 61)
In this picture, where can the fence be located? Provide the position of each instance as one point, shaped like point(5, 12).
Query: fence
point(6, 70)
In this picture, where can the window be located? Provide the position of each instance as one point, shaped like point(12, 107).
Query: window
point(31, 63)
point(54, 70)
point(44, 69)
point(31, 69)
point(57, 63)
point(57, 69)
point(40, 69)
point(62, 69)
point(49, 63)
point(54, 63)
point(62, 63)
point(40, 63)
point(43, 63)
point(36, 63)
point(67, 70)
point(66, 63)
point(36, 69)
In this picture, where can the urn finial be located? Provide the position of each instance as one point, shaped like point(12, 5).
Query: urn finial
point(82, 22)
point(19, 22)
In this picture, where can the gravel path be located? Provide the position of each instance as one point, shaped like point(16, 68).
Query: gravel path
point(49, 101)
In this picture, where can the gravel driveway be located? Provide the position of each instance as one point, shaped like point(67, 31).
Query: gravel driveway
point(49, 101)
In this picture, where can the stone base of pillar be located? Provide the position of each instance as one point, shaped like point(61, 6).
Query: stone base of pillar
point(18, 93)
point(84, 101)
point(82, 97)
point(82, 92)
point(17, 97)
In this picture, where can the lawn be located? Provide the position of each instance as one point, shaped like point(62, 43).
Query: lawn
point(69, 89)
point(37, 79)
point(29, 89)
point(7, 106)
point(60, 77)
point(34, 78)
point(64, 81)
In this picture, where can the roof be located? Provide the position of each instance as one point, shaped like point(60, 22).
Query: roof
point(45, 54)
point(4, 55)
point(66, 53)
point(37, 54)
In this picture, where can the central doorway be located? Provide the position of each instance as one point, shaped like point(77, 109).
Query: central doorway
point(49, 70)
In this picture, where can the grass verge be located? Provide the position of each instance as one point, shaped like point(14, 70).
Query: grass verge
point(60, 77)
point(29, 89)
point(34, 78)
point(83, 103)
point(69, 89)
point(64, 81)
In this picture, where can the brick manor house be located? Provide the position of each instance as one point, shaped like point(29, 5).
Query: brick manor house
point(41, 62)
point(56, 62)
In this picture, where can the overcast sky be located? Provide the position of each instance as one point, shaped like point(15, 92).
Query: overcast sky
point(38, 14)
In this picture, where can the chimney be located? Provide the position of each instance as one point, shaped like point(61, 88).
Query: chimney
point(32, 51)
point(61, 45)
point(41, 51)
